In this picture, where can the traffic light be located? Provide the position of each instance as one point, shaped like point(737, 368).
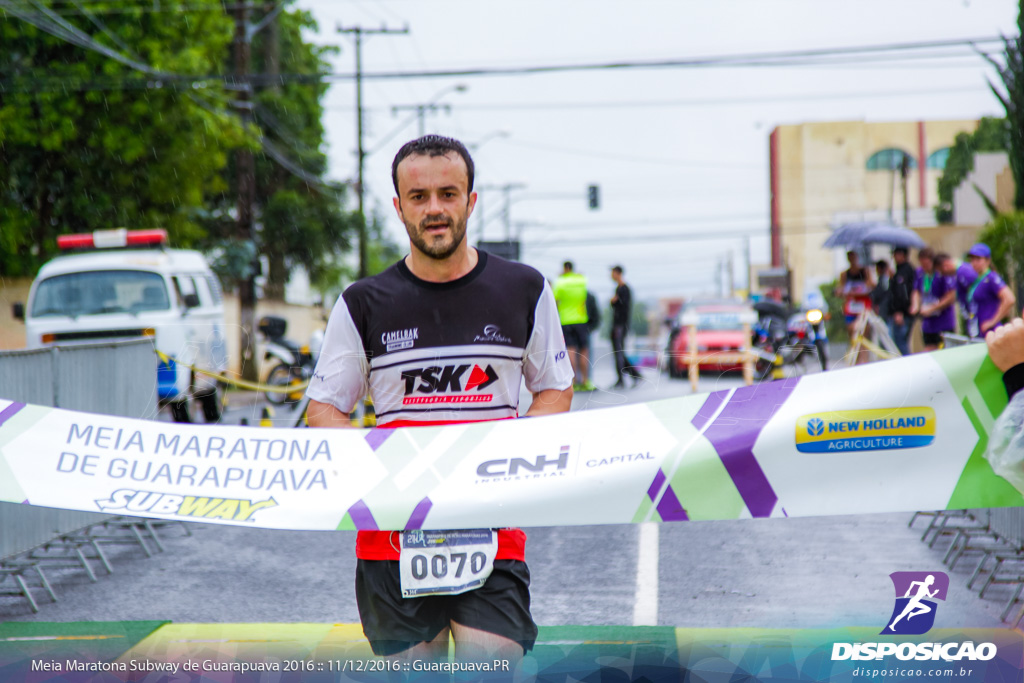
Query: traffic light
point(593, 197)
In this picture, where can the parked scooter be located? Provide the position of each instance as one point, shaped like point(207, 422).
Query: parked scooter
point(294, 363)
point(796, 336)
point(807, 336)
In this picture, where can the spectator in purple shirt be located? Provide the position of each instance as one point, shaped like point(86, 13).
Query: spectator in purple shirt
point(933, 298)
point(987, 300)
point(962, 275)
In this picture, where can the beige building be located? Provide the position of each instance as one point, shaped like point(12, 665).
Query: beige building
point(826, 174)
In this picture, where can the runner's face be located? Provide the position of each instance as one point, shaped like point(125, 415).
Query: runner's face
point(980, 264)
point(434, 202)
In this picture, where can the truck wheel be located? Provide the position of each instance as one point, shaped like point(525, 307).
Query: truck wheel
point(213, 404)
point(181, 411)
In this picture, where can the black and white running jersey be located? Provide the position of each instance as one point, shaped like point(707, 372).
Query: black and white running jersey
point(442, 352)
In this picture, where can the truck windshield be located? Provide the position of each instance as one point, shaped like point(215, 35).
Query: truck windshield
point(97, 292)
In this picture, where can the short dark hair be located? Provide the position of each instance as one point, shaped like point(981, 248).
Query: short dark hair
point(926, 252)
point(899, 250)
point(617, 269)
point(434, 146)
point(881, 263)
point(941, 258)
point(567, 265)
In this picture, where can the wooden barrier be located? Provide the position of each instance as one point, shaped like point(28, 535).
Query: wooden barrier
point(694, 358)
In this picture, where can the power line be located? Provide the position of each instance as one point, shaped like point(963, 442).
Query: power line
point(625, 104)
point(634, 239)
point(774, 59)
point(45, 20)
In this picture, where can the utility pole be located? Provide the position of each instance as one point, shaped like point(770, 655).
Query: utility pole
point(420, 110)
point(246, 177)
point(904, 172)
point(506, 212)
point(732, 280)
point(507, 188)
point(746, 264)
point(358, 32)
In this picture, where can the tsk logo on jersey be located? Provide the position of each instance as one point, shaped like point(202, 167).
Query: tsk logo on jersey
point(435, 381)
point(865, 430)
point(397, 340)
point(492, 334)
point(916, 593)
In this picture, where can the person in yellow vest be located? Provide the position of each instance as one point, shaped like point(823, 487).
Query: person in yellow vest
point(570, 290)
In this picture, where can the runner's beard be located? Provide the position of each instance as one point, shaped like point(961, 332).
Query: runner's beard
point(440, 247)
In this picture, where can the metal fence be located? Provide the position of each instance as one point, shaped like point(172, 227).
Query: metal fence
point(1007, 522)
point(113, 379)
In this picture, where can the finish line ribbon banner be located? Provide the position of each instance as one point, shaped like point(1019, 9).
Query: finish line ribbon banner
point(907, 434)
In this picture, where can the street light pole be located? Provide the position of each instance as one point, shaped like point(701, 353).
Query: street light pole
point(358, 31)
point(431, 105)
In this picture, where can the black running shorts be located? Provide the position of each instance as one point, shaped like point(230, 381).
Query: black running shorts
point(931, 338)
point(394, 624)
point(577, 336)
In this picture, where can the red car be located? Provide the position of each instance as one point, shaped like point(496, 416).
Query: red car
point(719, 330)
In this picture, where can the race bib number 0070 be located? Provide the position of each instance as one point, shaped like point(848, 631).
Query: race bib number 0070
point(445, 562)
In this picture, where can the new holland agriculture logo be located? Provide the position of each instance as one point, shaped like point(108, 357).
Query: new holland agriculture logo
point(865, 430)
point(913, 614)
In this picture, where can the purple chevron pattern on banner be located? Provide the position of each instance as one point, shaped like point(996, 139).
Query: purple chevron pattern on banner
point(9, 412)
point(377, 437)
point(669, 508)
point(734, 432)
point(362, 517)
point(707, 411)
point(419, 515)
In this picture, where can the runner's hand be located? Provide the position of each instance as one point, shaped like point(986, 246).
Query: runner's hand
point(1006, 345)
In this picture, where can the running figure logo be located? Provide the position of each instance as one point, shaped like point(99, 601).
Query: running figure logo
point(916, 592)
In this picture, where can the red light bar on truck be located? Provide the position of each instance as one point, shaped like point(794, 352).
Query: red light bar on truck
point(107, 239)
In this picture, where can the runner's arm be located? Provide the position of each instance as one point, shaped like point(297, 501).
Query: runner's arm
point(550, 401)
point(945, 302)
point(1006, 302)
point(325, 415)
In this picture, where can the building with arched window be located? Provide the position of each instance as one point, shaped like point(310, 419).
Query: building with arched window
point(829, 173)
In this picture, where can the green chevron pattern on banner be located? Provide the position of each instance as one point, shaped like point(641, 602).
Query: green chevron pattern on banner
point(979, 387)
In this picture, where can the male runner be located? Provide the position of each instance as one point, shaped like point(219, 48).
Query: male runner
point(445, 335)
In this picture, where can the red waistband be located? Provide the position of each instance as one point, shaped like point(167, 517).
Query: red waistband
point(383, 545)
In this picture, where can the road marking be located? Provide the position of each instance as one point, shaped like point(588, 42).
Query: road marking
point(645, 606)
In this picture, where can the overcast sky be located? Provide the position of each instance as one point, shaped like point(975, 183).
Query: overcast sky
point(675, 151)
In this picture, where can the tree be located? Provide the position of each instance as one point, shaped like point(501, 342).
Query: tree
point(1005, 236)
point(990, 136)
point(87, 142)
point(1011, 73)
point(300, 220)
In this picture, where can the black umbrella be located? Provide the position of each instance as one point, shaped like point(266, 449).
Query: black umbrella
point(854, 235)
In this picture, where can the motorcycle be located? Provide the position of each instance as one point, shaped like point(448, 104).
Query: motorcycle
point(294, 363)
point(807, 337)
point(789, 337)
point(770, 335)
